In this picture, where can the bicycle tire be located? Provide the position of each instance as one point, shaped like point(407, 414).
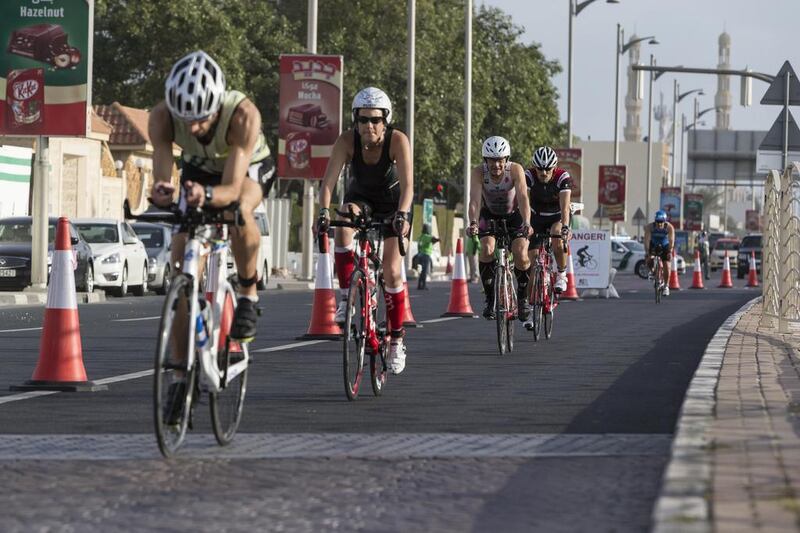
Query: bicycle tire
point(354, 334)
point(657, 280)
point(500, 315)
point(378, 365)
point(549, 314)
point(511, 314)
point(538, 303)
point(170, 437)
point(227, 405)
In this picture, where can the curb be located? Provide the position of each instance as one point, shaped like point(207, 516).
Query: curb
point(40, 298)
point(683, 501)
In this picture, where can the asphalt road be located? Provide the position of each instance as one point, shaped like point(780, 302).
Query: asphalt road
point(567, 434)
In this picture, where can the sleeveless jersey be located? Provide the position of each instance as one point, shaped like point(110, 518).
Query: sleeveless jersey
point(377, 179)
point(499, 198)
point(211, 157)
point(545, 196)
point(659, 236)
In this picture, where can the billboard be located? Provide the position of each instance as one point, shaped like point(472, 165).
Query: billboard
point(591, 258)
point(752, 220)
point(45, 66)
point(671, 203)
point(611, 191)
point(571, 160)
point(310, 114)
point(693, 204)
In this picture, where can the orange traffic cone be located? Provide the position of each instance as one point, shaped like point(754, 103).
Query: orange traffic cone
point(408, 318)
point(752, 276)
point(697, 277)
point(572, 291)
point(674, 281)
point(60, 365)
point(726, 282)
point(459, 293)
point(323, 310)
point(449, 268)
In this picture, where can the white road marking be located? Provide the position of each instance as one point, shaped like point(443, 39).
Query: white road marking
point(124, 377)
point(137, 319)
point(445, 319)
point(20, 329)
point(287, 346)
point(25, 396)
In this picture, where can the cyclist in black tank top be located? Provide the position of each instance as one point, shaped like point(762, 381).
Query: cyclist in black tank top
point(382, 171)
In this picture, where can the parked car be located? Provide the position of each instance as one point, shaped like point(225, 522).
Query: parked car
point(264, 252)
point(15, 254)
point(717, 256)
point(157, 239)
point(750, 243)
point(120, 258)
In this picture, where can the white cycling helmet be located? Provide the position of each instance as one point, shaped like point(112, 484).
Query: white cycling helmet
point(496, 148)
point(373, 98)
point(544, 157)
point(195, 87)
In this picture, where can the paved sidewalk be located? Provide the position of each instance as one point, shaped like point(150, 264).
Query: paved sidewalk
point(736, 457)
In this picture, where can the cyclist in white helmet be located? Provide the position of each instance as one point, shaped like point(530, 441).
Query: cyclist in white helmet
point(551, 190)
point(382, 179)
point(224, 159)
point(498, 192)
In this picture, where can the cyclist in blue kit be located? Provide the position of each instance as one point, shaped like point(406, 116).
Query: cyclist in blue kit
point(659, 241)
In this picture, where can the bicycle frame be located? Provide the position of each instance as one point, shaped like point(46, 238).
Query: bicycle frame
point(367, 253)
point(544, 268)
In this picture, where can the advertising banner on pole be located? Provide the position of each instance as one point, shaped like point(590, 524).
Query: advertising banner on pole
point(611, 191)
point(310, 114)
point(45, 68)
point(671, 203)
point(571, 160)
point(591, 258)
point(693, 220)
point(752, 220)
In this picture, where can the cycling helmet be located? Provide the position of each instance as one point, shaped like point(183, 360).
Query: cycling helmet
point(372, 98)
point(544, 157)
point(195, 87)
point(661, 216)
point(496, 148)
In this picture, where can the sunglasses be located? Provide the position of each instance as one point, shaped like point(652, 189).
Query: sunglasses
point(544, 169)
point(367, 120)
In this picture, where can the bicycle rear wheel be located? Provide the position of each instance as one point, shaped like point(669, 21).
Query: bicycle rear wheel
point(501, 308)
point(233, 360)
point(538, 301)
point(354, 342)
point(172, 398)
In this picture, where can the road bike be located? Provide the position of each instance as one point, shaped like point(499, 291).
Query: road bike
point(505, 296)
point(657, 273)
point(366, 329)
point(542, 297)
point(210, 360)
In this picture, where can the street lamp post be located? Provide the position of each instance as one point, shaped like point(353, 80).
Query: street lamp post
point(677, 97)
point(649, 140)
point(621, 49)
point(684, 130)
point(575, 8)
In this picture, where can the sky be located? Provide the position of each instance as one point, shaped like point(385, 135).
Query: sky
point(762, 38)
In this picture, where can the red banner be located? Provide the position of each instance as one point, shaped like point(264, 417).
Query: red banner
point(571, 160)
point(611, 191)
point(310, 114)
point(693, 219)
point(752, 220)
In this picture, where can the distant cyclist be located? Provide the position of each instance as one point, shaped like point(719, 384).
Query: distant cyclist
point(498, 192)
point(380, 164)
point(551, 191)
point(659, 241)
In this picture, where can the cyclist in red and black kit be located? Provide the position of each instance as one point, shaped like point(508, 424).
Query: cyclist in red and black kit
point(550, 190)
point(498, 192)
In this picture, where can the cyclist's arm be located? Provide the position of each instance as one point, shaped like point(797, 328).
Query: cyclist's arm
point(476, 188)
point(159, 127)
point(564, 199)
point(405, 169)
point(518, 175)
point(671, 237)
point(339, 156)
point(243, 133)
point(647, 239)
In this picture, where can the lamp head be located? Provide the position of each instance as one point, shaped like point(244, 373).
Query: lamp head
point(653, 41)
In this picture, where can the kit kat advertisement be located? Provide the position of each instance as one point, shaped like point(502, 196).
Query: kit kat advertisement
point(671, 204)
point(45, 66)
point(611, 191)
point(310, 114)
point(571, 160)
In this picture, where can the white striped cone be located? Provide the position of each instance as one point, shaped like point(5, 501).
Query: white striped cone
point(459, 291)
point(60, 366)
point(323, 310)
point(408, 317)
point(674, 282)
point(572, 290)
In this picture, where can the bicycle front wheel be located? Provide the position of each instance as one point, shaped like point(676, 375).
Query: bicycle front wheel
point(511, 314)
point(501, 308)
point(378, 366)
point(657, 281)
point(233, 361)
point(355, 334)
point(538, 303)
point(173, 382)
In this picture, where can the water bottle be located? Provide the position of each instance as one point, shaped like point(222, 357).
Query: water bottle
point(202, 324)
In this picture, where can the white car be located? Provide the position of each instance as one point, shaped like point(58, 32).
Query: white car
point(264, 251)
point(627, 255)
point(120, 258)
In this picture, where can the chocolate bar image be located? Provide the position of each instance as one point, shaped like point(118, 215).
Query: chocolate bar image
point(309, 115)
point(44, 42)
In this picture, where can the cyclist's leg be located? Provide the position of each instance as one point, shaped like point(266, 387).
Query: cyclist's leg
point(666, 265)
point(522, 264)
point(486, 267)
point(558, 249)
point(344, 255)
point(395, 297)
point(245, 241)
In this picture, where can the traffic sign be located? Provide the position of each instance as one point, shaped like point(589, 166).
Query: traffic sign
point(638, 217)
point(776, 93)
point(773, 140)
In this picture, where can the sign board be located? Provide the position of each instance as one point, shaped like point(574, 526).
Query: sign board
point(427, 211)
point(682, 244)
point(693, 206)
point(310, 114)
point(571, 160)
point(591, 258)
point(767, 160)
point(752, 220)
point(776, 93)
point(45, 67)
point(639, 217)
point(611, 191)
point(671, 203)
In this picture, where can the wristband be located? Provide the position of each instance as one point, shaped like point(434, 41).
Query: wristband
point(209, 193)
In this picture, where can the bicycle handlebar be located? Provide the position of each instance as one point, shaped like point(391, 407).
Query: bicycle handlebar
point(363, 222)
point(192, 216)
